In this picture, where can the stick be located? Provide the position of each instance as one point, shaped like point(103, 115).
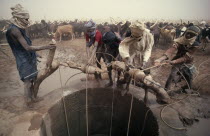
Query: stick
point(51, 66)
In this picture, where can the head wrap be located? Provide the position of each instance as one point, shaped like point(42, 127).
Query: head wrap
point(20, 16)
point(90, 25)
point(137, 29)
point(182, 40)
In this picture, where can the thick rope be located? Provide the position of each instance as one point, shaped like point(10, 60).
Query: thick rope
point(72, 76)
point(63, 99)
point(176, 128)
point(130, 112)
point(86, 102)
point(110, 131)
point(145, 117)
point(200, 66)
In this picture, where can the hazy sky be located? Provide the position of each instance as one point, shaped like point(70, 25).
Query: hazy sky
point(148, 9)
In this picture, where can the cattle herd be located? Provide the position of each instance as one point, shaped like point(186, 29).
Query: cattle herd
point(66, 30)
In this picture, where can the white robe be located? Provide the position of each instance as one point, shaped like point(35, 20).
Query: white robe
point(137, 51)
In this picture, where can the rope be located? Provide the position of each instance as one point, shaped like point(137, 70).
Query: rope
point(107, 54)
point(110, 131)
point(86, 100)
point(129, 119)
point(200, 66)
point(161, 114)
point(72, 76)
point(145, 117)
point(63, 99)
point(183, 77)
point(131, 107)
point(202, 82)
point(176, 128)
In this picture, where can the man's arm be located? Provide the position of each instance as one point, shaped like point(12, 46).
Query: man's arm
point(16, 33)
point(168, 54)
point(187, 57)
point(98, 38)
point(94, 51)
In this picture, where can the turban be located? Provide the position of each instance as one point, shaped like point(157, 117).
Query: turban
point(137, 29)
point(182, 40)
point(90, 24)
point(20, 16)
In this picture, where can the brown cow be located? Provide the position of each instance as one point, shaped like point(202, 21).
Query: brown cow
point(65, 29)
point(168, 34)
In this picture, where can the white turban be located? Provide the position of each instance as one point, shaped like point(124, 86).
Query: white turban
point(137, 29)
point(20, 16)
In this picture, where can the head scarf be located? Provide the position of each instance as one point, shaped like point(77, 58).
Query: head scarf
point(137, 29)
point(91, 25)
point(20, 16)
point(188, 42)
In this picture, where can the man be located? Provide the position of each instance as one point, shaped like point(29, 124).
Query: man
point(182, 63)
point(94, 37)
point(111, 42)
point(23, 50)
point(136, 49)
point(205, 36)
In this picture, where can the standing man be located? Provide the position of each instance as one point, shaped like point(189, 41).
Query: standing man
point(184, 47)
point(111, 42)
point(23, 51)
point(94, 37)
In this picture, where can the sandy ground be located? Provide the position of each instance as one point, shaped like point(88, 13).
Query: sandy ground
point(15, 120)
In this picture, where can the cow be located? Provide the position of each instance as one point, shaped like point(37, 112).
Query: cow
point(168, 33)
point(155, 30)
point(65, 29)
point(78, 28)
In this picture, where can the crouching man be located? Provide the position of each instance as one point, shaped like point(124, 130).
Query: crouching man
point(94, 37)
point(135, 52)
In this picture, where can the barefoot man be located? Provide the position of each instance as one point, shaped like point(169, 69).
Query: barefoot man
point(24, 52)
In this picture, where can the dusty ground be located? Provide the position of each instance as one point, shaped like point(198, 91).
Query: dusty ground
point(15, 120)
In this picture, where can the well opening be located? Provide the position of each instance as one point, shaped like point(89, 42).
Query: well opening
point(99, 115)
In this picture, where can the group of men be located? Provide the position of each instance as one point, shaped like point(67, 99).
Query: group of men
point(135, 50)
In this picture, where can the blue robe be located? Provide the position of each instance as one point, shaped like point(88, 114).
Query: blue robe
point(26, 60)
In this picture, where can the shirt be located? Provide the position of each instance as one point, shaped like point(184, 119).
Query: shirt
point(97, 38)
